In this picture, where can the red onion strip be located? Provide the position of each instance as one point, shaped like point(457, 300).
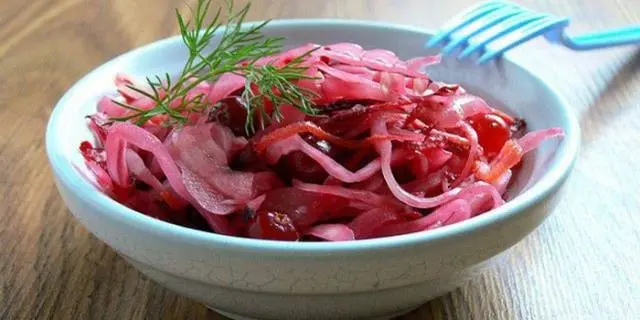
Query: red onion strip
point(121, 132)
point(472, 136)
point(533, 139)
point(332, 232)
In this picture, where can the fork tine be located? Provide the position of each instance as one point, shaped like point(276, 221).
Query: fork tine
point(480, 25)
point(469, 15)
point(522, 35)
point(508, 25)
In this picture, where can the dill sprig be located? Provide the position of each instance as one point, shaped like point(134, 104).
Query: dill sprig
point(275, 84)
point(238, 49)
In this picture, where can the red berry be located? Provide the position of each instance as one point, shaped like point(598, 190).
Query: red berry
point(86, 149)
point(273, 225)
point(492, 131)
point(303, 168)
point(92, 154)
point(248, 160)
point(300, 166)
point(231, 113)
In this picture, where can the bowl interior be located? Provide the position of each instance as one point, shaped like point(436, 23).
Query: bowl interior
point(504, 85)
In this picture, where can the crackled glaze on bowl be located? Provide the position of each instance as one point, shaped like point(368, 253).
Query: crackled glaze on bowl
point(275, 280)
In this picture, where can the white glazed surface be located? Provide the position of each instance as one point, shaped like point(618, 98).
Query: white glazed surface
point(373, 278)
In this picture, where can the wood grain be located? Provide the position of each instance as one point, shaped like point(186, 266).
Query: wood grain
point(583, 263)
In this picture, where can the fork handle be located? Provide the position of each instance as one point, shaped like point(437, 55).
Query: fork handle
point(604, 39)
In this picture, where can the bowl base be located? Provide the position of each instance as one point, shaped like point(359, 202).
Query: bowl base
point(250, 305)
point(234, 316)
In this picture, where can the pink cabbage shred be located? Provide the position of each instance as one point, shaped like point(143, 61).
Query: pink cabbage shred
point(393, 152)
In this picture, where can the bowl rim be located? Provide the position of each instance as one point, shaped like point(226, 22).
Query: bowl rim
point(67, 174)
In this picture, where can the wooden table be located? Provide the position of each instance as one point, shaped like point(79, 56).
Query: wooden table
point(583, 263)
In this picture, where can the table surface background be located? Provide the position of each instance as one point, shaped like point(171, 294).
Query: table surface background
point(584, 262)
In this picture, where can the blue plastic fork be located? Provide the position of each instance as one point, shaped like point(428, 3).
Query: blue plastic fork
point(493, 27)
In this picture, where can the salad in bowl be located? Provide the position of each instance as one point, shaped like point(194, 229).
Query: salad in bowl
point(308, 168)
point(321, 142)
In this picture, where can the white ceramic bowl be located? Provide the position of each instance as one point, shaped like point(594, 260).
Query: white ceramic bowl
point(379, 278)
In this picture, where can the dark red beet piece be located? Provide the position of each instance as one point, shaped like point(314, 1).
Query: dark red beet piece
point(419, 165)
point(403, 174)
point(241, 220)
point(273, 225)
point(195, 220)
point(344, 105)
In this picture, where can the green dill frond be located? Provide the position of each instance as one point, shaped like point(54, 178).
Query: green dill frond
point(239, 47)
